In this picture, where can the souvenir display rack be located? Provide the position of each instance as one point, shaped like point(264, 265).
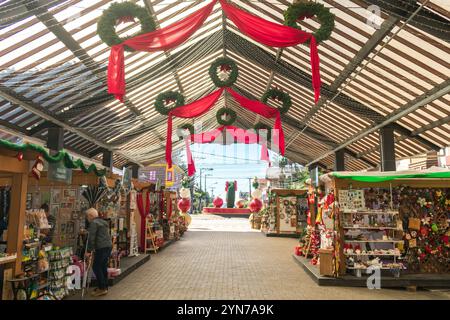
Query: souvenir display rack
point(397, 223)
point(286, 212)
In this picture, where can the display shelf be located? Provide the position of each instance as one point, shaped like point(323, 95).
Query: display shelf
point(8, 259)
point(390, 212)
point(374, 241)
point(382, 268)
point(373, 254)
point(372, 228)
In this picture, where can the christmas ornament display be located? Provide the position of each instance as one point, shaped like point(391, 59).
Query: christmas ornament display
point(255, 205)
point(184, 204)
point(218, 202)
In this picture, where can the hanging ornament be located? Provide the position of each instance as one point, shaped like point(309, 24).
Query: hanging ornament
point(38, 167)
point(240, 203)
point(20, 156)
point(434, 227)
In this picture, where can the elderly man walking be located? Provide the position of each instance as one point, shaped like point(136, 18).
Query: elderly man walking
point(100, 243)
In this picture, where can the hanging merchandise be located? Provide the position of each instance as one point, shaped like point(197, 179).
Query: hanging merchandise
point(37, 168)
point(93, 194)
point(263, 31)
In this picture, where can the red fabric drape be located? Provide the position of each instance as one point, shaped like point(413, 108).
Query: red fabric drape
point(263, 31)
point(275, 35)
point(140, 205)
point(143, 212)
point(192, 110)
point(159, 40)
point(239, 135)
point(265, 111)
point(203, 105)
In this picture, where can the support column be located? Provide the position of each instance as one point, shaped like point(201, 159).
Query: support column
point(16, 221)
point(135, 171)
point(387, 149)
point(339, 163)
point(107, 159)
point(55, 139)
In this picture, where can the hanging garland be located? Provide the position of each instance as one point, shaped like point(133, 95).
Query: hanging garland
point(263, 126)
point(123, 12)
point(278, 95)
point(62, 155)
point(163, 99)
point(226, 111)
point(301, 10)
point(226, 65)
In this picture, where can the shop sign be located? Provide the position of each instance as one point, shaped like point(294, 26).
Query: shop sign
point(58, 172)
point(169, 176)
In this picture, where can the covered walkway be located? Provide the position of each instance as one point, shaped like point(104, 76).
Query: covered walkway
point(222, 258)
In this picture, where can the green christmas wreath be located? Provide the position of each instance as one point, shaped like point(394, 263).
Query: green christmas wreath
point(106, 26)
point(231, 114)
point(186, 126)
point(225, 64)
point(163, 99)
point(263, 126)
point(309, 9)
point(280, 96)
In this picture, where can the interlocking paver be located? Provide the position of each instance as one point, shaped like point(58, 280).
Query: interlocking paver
point(220, 258)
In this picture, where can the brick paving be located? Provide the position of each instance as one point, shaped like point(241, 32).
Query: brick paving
point(220, 258)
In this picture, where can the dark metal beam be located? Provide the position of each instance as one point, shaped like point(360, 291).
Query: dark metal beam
point(362, 55)
point(268, 61)
point(107, 159)
point(66, 38)
point(55, 138)
point(387, 149)
point(339, 161)
point(426, 20)
point(16, 11)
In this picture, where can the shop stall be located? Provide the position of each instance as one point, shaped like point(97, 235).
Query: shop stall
point(394, 223)
point(13, 182)
point(286, 213)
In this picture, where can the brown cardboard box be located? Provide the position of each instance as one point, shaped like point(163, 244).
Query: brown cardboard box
point(326, 262)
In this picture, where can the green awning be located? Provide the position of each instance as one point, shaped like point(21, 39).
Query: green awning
point(383, 176)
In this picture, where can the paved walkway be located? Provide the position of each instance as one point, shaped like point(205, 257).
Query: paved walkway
point(220, 258)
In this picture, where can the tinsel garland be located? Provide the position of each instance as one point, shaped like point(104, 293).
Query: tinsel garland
point(62, 155)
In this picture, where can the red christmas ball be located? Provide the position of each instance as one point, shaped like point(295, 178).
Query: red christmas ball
point(255, 205)
point(184, 204)
point(20, 156)
point(218, 202)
